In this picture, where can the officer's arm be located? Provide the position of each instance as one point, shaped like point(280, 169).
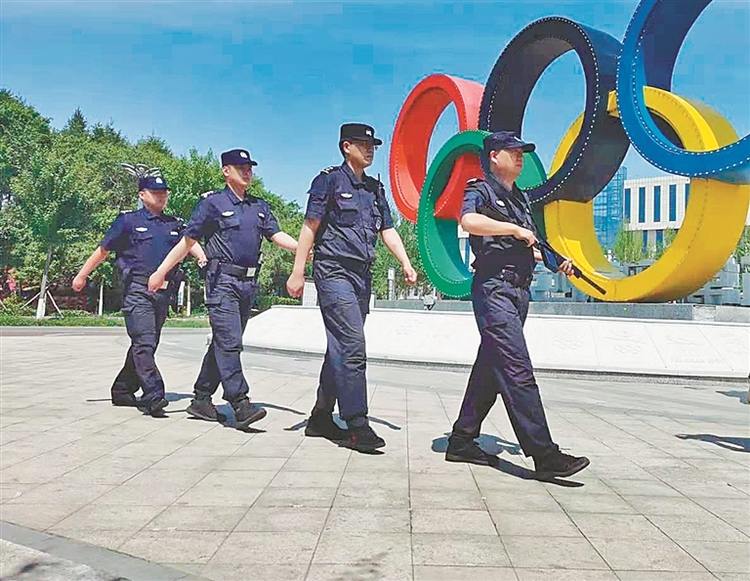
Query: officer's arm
point(393, 242)
point(305, 243)
point(175, 256)
point(283, 240)
point(97, 257)
point(481, 225)
point(197, 252)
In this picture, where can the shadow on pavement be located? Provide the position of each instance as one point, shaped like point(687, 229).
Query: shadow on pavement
point(728, 442)
point(494, 445)
point(36, 571)
point(740, 395)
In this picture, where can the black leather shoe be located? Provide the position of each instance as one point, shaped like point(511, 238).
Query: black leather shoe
point(321, 425)
point(204, 409)
point(246, 413)
point(362, 439)
point(155, 409)
point(466, 450)
point(558, 465)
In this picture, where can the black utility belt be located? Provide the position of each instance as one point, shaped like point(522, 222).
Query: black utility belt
point(243, 272)
point(507, 275)
point(358, 266)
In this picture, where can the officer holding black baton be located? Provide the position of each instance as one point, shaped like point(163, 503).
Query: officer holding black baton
point(233, 223)
point(141, 240)
point(502, 234)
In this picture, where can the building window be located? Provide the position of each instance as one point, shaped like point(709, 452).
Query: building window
point(627, 204)
point(687, 194)
point(641, 205)
point(672, 202)
point(657, 203)
point(645, 239)
point(660, 238)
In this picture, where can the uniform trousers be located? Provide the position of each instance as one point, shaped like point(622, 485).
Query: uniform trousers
point(503, 366)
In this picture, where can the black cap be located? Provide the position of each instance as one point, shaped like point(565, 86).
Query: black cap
point(152, 183)
point(506, 140)
point(237, 157)
point(359, 132)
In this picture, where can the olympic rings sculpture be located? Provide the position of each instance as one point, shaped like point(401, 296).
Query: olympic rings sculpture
point(628, 101)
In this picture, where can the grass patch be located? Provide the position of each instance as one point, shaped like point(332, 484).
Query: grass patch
point(9, 320)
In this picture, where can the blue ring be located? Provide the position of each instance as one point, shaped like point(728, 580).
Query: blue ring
point(653, 38)
point(601, 145)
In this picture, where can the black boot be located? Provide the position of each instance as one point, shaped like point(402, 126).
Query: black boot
point(204, 409)
point(462, 449)
point(321, 425)
point(245, 413)
point(362, 439)
point(558, 465)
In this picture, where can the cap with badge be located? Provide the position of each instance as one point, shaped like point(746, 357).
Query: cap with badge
point(152, 183)
point(506, 140)
point(237, 157)
point(358, 132)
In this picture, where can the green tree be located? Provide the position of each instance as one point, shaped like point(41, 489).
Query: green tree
point(385, 260)
point(628, 246)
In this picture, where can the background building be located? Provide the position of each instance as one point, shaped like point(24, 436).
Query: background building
point(609, 209)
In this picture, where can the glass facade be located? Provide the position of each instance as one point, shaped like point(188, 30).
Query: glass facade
point(672, 202)
point(608, 209)
point(641, 205)
point(657, 203)
point(627, 204)
point(687, 194)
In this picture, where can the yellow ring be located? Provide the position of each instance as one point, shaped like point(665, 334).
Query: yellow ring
point(713, 224)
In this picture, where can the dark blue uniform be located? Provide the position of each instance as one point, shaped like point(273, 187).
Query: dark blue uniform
point(141, 240)
point(351, 213)
point(500, 296)
point(233, 230)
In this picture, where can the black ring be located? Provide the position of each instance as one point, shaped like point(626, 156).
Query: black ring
point(601, 144)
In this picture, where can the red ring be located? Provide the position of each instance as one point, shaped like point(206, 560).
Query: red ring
point(411, 139)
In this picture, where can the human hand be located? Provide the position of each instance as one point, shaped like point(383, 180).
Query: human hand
point(295, 284)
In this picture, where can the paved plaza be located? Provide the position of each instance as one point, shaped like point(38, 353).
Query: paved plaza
point(87, 487)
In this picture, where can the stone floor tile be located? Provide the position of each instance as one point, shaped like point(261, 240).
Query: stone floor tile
point(367, 496)
point(475, 522)
point(596, 503)
point(37, 516)
point(535, 500)
point(565, 575)
point(109, 539)
point(174, 546)
point(441, 573)
point(105, 517)
point(54, 492)
point(233, 479)
point(289, 478)
point(197, 518)
point(364, 570)
point(289, 547)
point(209, 495)
point(720, 557)
point(533, 523)
point(244, 571)
point(317, 497)
point(698, 528)
point(339, 547)
point(554, 553)
point(425, 498)
point(252, 463)
point(616, 526)
point(377, 520)
point(665, 576)
point(459, 550)
point(645, 555)
point(283, 518)
point(648, 505)
point(163, 494)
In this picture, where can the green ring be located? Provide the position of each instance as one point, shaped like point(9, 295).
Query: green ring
point(438, 238)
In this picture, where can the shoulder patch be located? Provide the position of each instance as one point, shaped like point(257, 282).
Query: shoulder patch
point(473, 181)
point(206, 194)
point(125, 211)
point(329, 169)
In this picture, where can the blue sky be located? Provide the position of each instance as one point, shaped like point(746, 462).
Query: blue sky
point(280, 77)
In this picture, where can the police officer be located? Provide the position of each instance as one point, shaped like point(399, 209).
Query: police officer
point(141, 240)
point(346, 211)
point(502, 234)
point(233, 223)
